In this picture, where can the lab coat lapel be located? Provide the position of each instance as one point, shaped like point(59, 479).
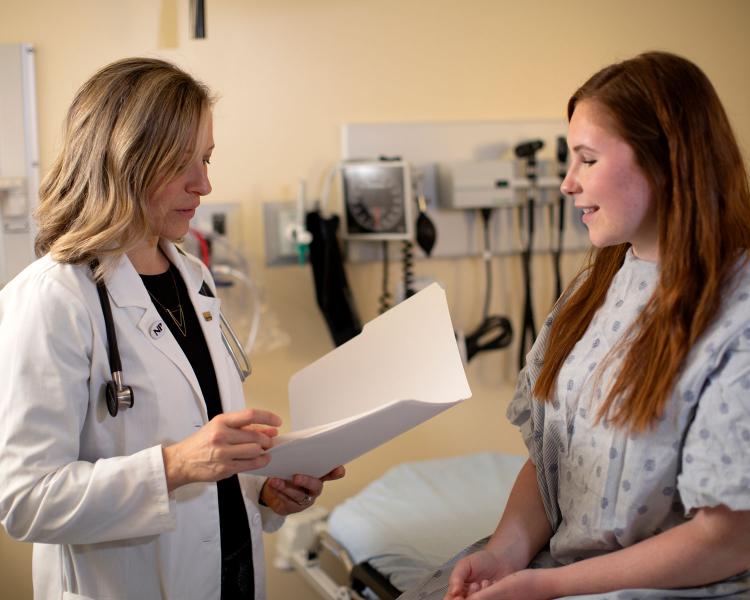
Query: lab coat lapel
point(127, 290)
point(207, 309)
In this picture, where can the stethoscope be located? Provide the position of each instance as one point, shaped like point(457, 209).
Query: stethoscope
point(117, 394)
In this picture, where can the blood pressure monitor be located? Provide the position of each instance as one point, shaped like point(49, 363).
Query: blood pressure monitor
point(378, 200)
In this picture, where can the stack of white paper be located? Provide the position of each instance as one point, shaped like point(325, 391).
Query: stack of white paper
point(401, 370)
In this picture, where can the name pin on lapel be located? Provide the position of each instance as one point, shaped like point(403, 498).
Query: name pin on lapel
point(208, 316)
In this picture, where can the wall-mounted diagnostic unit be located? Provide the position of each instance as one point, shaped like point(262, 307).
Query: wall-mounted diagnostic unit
point(493, 183)
point(378, 200)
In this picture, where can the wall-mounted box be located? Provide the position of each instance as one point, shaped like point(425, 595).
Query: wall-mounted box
point(476, 184)
point(494, 183)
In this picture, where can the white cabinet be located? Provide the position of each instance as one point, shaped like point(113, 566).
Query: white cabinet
point(19, 159)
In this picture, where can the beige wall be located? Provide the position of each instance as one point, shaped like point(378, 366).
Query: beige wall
point(291, 72)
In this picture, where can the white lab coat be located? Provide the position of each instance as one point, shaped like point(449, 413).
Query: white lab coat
point(88, 489)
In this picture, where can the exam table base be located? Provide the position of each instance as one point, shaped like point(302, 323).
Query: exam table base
point(306, 547)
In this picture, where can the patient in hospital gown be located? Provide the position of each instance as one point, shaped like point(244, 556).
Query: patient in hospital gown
point(610, 490)
point(607, 489)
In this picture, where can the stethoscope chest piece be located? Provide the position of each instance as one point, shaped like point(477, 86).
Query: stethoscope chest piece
point(118, 395)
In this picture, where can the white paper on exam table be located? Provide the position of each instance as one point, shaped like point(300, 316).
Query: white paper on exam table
point(401, 370)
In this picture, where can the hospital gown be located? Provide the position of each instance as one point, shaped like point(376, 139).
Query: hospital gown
point(604, 488)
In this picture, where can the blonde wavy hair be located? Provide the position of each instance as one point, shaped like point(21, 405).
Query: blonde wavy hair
point(130, 129)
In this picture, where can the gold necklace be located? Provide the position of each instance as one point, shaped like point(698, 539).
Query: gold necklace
point(180, 322)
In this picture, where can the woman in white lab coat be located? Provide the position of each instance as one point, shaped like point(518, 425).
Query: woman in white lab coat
point(129, 506)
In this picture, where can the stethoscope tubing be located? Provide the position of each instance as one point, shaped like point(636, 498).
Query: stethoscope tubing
point(244, 368)
point(113, 352)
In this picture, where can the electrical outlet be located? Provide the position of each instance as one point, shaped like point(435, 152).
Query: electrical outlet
point(277, 217)
point(223, 218)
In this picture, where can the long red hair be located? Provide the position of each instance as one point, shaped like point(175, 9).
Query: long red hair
point(666, 109)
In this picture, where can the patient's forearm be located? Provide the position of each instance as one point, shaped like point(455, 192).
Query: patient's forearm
point(712, 546)
point(523, 529)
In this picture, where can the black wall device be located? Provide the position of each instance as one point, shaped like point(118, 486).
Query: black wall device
point(198, 18)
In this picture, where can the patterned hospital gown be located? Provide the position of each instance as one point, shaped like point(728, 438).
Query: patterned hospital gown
point(604, 489)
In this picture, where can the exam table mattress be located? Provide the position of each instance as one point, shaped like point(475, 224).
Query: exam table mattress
point(419, 514)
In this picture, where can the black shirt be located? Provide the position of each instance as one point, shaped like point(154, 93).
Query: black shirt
point(170, 297)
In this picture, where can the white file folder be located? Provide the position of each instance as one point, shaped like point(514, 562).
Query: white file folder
point(403, 369)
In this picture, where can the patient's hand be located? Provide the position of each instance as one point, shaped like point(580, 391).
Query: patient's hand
point(529, 584)
point(285, 496)
point(475, 573)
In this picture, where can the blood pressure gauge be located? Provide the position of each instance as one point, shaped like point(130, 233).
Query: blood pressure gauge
point(378, 200)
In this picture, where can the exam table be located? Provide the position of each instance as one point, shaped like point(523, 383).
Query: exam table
point(399, 528)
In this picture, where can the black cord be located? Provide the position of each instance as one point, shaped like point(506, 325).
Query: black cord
point(407, 250)
point(528, 330)
point(385, 296)
point(486, 214)
point(562, 159)
point(557, 253)
point(527, 150)
point(494, 331)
